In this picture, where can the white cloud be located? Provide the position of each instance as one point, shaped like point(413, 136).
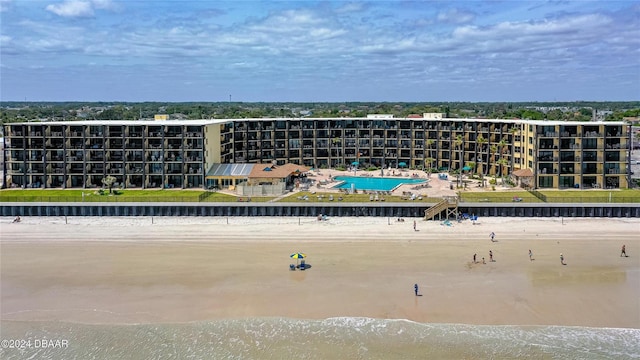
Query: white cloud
point(103, 4)
point(456, 16)
point(72, 8)
point(80, 8)
point(324, 44)
point(5, 5)
point(351, 7)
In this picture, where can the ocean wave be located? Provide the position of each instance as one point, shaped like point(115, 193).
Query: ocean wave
point(339, 337)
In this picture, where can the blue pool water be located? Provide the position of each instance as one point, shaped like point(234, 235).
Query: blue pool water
point(371, 183)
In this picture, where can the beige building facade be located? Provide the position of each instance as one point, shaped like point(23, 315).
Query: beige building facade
point(180, 153)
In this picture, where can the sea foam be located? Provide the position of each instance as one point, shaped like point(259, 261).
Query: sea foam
point(340, 337)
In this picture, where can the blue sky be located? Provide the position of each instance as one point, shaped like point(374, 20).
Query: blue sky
point(326, 51)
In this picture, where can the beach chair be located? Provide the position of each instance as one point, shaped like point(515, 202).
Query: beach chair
point(377, 198)
point(371, 197)
point(330, 197)
point(292, 267)
point(302, 265)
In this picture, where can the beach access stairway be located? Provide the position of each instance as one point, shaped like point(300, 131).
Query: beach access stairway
point(448, 204)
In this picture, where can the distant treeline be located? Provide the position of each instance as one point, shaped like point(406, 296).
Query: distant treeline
point(576, 111)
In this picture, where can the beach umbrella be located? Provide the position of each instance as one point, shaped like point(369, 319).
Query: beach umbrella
point(355, 163)
point(466, 168)
point(298, 256)
point(402, 164)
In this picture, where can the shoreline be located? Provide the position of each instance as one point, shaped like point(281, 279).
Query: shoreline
point(124, 270)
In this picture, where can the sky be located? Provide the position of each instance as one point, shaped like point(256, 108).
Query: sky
point(319, 51)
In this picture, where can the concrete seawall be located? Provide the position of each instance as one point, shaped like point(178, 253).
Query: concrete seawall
point(313, 209)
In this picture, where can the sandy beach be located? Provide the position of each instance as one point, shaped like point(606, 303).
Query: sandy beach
point(167, 270)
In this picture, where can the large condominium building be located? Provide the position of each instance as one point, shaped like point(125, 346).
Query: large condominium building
point(180, 154)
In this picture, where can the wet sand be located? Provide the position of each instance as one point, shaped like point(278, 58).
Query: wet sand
point(130, 270)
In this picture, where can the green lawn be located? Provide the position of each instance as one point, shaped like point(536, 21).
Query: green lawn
point(498, 196)
point(588, 196)
point(73, 195)
point(53, 195)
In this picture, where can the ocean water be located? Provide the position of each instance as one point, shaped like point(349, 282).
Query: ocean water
point(334, 338)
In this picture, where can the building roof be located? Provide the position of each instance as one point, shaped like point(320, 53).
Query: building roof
point(223, 121)
point(276, 171)
point(255, 170)
point(128, 122)
point(523, 173)
point(238, 170)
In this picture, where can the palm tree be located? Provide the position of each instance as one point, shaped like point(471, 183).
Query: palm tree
point(481, 142)
point(458, 143)
point(502, 145)
point(429, 143)
point(502, 162)
point(493, 150)
point(472, 166)
point(429, 162)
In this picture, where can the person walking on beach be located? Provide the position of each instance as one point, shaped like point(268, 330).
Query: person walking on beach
point(415, 289)
point(414, 225)
point(492, 235)
point(474, 258)
point(562, 260)
point(490, 256)
point(530, 255)
point(623, 252)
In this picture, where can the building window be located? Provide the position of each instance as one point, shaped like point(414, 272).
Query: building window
point(545, 181)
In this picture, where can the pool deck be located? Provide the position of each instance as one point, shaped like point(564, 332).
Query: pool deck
point(325, 182)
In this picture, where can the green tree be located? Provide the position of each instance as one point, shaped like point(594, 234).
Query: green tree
point(472, 166)
point(481, 143)
point(555, 114)
point(429, 163)
point(108, 181)
point(429, 143)
point(502, 162)
point(502, 145)
point(491, 160)
point(459, 144)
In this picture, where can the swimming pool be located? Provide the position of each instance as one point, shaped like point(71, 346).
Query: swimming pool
point(374, 183)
